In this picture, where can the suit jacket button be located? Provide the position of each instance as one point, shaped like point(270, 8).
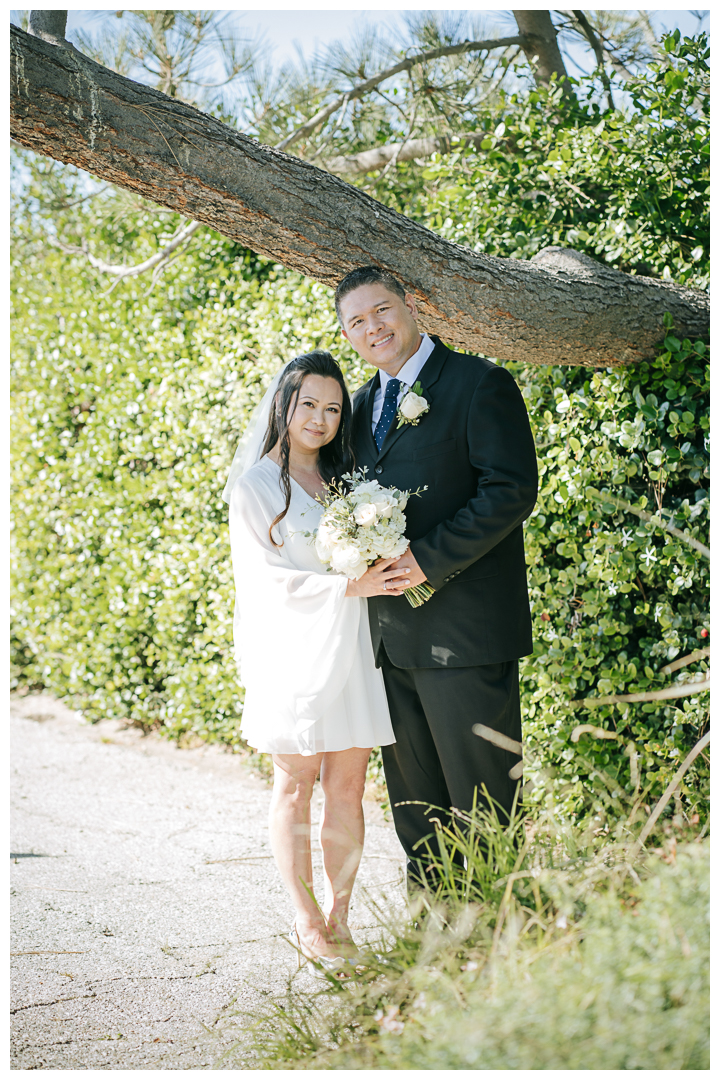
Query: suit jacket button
point(378, 468)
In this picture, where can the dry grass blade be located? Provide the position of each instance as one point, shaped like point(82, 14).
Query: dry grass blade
point(650, 824)
point(50, 952)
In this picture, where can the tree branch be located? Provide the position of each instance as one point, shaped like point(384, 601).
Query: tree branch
point(369, 160)
point(618, 65)
point(678, 690)
point(561, 307)
point(403, 65)
point(691, 658)
point(653, 519)
point(118, 271)
point(49, 25)
point(597, 48)
point(541, 48)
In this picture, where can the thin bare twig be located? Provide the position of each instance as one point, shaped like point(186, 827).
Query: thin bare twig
point(404, 65)
point(699, 654)
point(497, 738)
point(676, 691)
point(608, 49)
point(589, 729)
point(597, 48)
point(120, 272)
point(653, 519)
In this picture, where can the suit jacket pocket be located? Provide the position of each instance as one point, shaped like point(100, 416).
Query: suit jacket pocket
point(483, 568)
point(435, 449)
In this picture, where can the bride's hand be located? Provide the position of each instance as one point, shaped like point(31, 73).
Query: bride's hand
point(378, 580)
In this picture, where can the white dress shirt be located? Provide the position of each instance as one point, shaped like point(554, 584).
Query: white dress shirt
point(408, 376)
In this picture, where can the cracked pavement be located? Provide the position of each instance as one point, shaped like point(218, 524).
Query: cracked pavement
point(145, 905)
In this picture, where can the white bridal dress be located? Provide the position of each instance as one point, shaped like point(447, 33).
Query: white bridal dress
point(303, 647)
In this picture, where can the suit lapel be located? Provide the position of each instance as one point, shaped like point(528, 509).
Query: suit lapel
point(364, 413)
point(429, 375)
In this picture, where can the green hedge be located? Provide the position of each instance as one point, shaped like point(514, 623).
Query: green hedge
point(628, 187)
point(616, 597)
point(126, 412)
point(127, 409)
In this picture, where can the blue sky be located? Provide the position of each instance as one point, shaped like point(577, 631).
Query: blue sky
point(309, 28)
point(285, 29)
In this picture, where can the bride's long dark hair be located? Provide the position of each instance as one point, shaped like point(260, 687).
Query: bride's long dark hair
point(336, 457)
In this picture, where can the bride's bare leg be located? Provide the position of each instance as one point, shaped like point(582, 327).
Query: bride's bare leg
point(294, 780)
point(342, 834)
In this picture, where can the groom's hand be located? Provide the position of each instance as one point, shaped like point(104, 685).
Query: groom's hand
point(414, 576)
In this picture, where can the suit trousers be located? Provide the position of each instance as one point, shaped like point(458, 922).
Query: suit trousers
point(437, 759)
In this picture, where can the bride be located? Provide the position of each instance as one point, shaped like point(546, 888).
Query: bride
point(313, 696)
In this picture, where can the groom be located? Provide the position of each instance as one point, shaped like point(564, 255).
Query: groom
point(453, 662)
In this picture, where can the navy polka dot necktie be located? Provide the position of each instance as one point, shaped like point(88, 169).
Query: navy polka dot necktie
point(388, 411)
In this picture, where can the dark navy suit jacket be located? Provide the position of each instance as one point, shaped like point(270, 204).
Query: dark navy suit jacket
point(475, 451)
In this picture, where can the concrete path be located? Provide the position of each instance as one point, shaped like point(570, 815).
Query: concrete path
point(146, 908)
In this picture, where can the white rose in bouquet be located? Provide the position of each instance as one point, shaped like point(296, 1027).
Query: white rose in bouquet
point(384, 502)
point(412, 406)
point(328, 534)
point(364, 492)
point(325, 539)
point(324, 552)
point(365, 514)
point(346, 559)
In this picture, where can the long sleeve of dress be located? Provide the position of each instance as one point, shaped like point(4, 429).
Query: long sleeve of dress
point(295, 630)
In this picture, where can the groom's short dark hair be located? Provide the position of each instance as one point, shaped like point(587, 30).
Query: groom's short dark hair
point(366, 275)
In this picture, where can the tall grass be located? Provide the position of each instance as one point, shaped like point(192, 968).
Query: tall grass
point(554, 947)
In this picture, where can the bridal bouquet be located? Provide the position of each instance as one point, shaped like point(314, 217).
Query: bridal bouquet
point(362, 523)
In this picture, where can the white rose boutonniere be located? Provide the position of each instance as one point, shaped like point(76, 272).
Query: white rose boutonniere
point(412, 407)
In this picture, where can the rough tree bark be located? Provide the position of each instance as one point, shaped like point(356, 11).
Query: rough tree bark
point(48, 25)
point(560, 308)
point(541, 47)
